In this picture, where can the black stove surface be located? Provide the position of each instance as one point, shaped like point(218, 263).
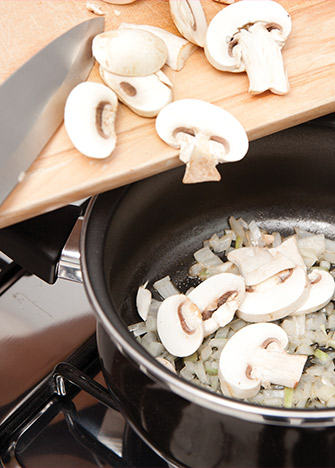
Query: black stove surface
point(54, 409)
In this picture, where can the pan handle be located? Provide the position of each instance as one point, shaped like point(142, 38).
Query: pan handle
point(37, 244)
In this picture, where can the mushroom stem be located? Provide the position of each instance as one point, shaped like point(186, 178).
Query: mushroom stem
point(274, 365)
point(200, 162)
point(262, 57)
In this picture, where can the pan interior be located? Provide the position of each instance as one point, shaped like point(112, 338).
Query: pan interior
point(151, 228)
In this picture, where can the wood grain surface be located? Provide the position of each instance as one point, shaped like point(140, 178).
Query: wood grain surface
point(61, 175)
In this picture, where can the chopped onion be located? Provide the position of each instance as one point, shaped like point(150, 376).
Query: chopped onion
point(165, 287)
point(312, 334)
point(207, 258)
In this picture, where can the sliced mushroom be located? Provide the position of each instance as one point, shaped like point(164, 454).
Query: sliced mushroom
point(275, 297)
point(254, 356)
point(321, 291)
point(206, 135)
point(129, 52)
point(290, 249)
point(179, 49)
point(143, 301)
point(190, 20)
point(167, 364)
point(256, 264)
point(144, 95)
point(89, 119)
point(248, 36)
point(179, 325)
point(218, 297)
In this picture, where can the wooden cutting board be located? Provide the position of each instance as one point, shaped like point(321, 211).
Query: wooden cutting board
point(61, 175)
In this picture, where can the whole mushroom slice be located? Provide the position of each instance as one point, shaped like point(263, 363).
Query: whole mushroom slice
point(218, 297)
point(190, 20)
point(179, 325)
point(322, 287)
point(254, 356)
point(206, 135)
point(179, 49)
point(275, 297)
point(248, 36)
point(129, 52)
point(89, 119)
point(144, 95)
point(256, 264)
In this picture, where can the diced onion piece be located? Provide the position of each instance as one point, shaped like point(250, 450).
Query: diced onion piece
point(165, 287)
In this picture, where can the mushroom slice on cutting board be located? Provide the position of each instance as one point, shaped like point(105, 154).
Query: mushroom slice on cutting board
point(179, 49)
point(89, 119)
point(190, 20)
point(218, 297)
point(144, 95)
point(248, 36)
point(276, 297)
point(129, 52)
point(206, 135)
point(254, 356)
point(179, 325)
point(321, 291)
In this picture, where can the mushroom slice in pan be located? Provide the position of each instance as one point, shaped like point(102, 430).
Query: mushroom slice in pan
point(321, 291)
point(179, 325)
point(206, 135)
point(218, 297)
point(129, 52)
point(254, 356)
point(89, 119)
point(276, 297)
point(248, 36)
point(144, 95)
point(143, 301)
point(179, 49)
point(290, 249)
point(256, 264)
point(190, 20)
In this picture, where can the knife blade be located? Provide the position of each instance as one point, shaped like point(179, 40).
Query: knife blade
point(33, 99)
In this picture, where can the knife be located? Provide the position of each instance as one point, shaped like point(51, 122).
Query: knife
point(33, 99)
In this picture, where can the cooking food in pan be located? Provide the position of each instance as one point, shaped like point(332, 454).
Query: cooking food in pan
point(258, 323)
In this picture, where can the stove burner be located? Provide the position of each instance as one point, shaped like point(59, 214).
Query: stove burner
point(72, 420)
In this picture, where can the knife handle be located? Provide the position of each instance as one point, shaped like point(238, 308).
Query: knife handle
point(37, 244)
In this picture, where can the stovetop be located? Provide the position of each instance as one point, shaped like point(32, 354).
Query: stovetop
point(54, 408)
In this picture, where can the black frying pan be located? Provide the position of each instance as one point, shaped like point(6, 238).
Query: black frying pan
point(150, 229)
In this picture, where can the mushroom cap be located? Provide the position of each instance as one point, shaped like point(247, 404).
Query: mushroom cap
point(218, 297)
point(179, 325)
point(210, 120)
point(275, 297)
point(89, 118)
point(144, 95)
point(230, 19)
point(322, 287)
point(129, 52)
point(190, 20)
point(179, 49)
point(245, 353)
